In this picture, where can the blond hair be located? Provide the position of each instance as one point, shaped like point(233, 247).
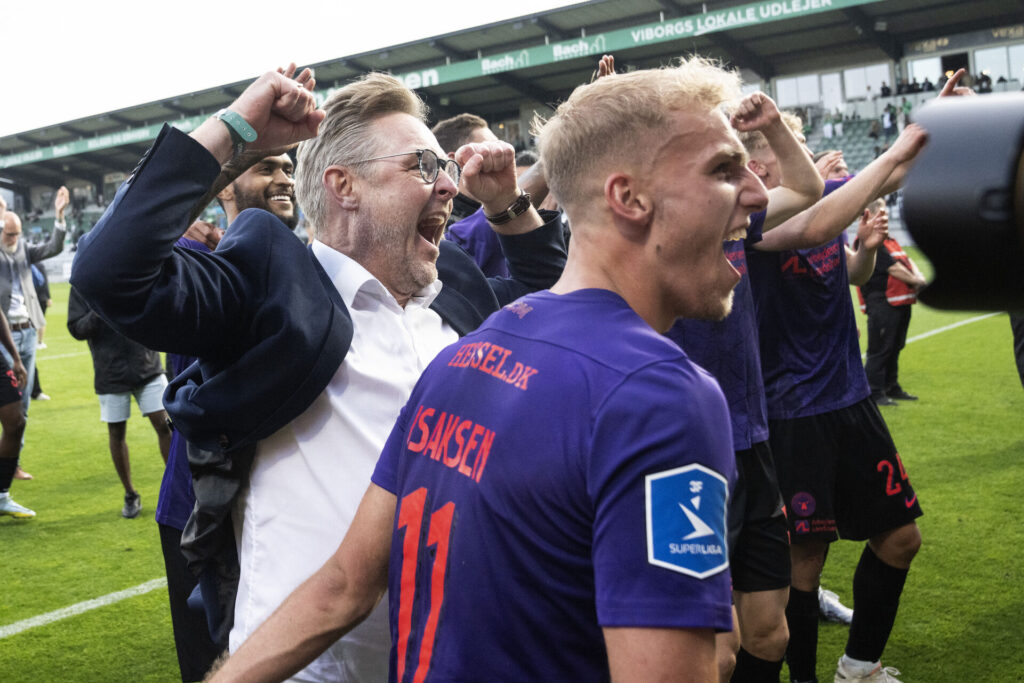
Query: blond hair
point(754, 140)
point(345, 137)
point(608, 119)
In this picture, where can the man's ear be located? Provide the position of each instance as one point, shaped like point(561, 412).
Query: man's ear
point(227, 194)
point(631, 207)
point(339, 182)
point(757, 168)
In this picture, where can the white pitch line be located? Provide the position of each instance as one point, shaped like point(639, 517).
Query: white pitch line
point(61, 355)
point(932, 333)
point(64, 613)
point(947, 328)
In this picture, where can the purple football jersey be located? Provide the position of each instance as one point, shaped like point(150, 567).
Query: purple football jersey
point(809, 351)
point(562, 469)
point(728, 349)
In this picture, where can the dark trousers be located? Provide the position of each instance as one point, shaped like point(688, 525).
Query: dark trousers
point(887, 335)
point(1017, 323)
point(196, 651)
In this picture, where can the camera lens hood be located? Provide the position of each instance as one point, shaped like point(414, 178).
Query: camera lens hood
point(963, 201)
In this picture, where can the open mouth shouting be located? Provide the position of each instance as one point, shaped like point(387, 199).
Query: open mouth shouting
point(431, 228)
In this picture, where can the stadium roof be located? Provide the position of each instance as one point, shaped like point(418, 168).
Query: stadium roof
point(490, 70)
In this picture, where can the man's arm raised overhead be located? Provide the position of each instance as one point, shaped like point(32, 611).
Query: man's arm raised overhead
point(829, 217)
point(800, 184)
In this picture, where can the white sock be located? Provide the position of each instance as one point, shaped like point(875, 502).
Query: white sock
point(858, 666)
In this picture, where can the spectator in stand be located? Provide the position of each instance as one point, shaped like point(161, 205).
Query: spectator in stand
point(887, 298)
point(915, 86)
point(837, 122)
point(906, 106)
point(886, 90)
point(827, 128)
point(889, 121)
point(18, 299)
point(122, 369)
point(927, 85)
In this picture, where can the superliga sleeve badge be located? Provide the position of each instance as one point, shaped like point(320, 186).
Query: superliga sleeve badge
point(686, 525)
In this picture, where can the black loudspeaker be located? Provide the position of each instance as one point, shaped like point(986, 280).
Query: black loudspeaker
point(963, 202)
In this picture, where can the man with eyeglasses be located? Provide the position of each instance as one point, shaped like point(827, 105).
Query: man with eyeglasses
point(306, 354)
point(18, 298)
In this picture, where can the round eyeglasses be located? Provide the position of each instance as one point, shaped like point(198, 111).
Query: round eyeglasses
point(430, 165)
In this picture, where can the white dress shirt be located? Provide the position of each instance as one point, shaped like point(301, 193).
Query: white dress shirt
point(308, 478)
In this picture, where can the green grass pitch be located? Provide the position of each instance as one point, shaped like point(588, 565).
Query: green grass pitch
point(963, 444)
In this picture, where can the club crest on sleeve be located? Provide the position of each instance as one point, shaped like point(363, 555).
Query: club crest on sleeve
point(686, 527)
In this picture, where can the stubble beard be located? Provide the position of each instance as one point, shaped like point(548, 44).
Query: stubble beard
point(382, 242)
point(246, 200)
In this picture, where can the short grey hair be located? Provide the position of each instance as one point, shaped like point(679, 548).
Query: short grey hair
point(345, 137)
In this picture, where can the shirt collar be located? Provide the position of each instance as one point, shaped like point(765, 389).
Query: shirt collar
point(350, 278)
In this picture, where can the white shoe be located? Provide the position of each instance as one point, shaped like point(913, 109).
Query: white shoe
point(877, 675)
point(831, 609)
point(41, 345)
point(9, 507)
point(41, 397)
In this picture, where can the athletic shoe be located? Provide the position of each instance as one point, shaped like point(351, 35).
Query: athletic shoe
point(877, 675)
point(41, 345)
point(9, 507)
point(41, 397)
point(132, 505)
point(884, 400)
point(831, 609)
point(901, 395)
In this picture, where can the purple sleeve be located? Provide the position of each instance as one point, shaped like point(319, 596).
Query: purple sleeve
point(474, 234)
point(385, 474)
point(755, 233)
point(833, 185)
point(661, 468)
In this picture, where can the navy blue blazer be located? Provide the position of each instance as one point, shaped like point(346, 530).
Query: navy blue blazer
point(260, 313)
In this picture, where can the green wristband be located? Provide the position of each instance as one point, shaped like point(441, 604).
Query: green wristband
point(241, 132)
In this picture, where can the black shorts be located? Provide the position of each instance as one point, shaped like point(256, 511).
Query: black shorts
point(841, 476)
point(9, 391)
point(758, 536)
